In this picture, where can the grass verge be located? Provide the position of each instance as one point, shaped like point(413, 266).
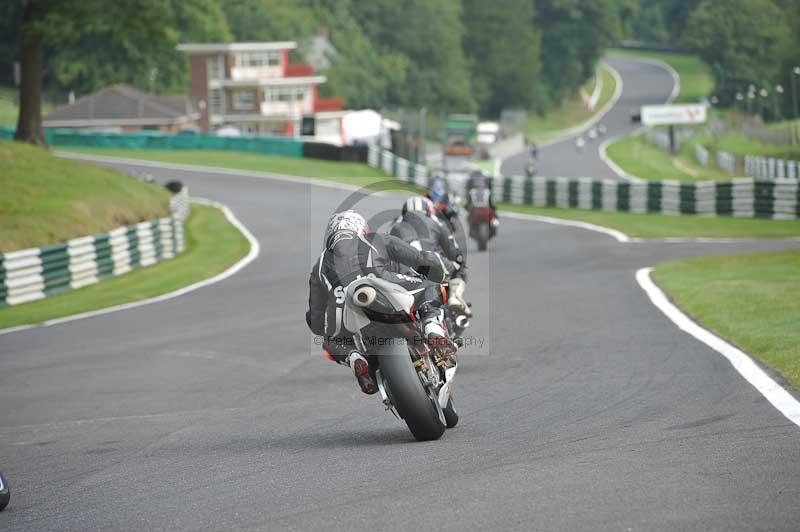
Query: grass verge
point(662, 226)
point(752, 300)
point(571, 112)
point(637, 157)
point(9, 111)
point(212, 245)
point(44, 199)
point(696, 78)
point(738, 144)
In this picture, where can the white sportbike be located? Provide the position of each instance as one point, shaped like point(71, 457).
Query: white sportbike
point(414, 380)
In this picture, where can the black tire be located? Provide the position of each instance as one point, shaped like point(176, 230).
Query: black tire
point(450, 414)
point(5, 493)
point(408, 394)
point(483, 236)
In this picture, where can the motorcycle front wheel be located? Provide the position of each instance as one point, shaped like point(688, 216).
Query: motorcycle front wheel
point(450, 414)
point(417, 408)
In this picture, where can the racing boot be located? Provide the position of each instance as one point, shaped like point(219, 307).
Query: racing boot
point(437, 336)
point(360, 367)
point(455, 299)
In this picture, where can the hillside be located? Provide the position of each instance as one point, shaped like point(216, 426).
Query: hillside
point(47, 200)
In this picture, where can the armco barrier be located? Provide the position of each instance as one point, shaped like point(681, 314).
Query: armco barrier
point(36, 273)
point(157, 141)
point(770, 168)
point(742, 197)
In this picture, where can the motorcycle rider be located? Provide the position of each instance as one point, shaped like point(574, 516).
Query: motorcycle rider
point(351, 251)
point(420, 227)
point(479, 192)
point(440, 196)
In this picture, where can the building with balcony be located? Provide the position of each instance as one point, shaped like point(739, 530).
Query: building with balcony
point(253, 87)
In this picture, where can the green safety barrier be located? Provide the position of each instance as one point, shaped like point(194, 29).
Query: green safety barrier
point(152, 140)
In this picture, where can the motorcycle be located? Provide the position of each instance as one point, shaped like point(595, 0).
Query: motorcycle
point(414, 380)
point(530, 169)
point(483, 224)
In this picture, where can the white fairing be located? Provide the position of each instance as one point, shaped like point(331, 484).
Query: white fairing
point(444, 391)
point(354, 317)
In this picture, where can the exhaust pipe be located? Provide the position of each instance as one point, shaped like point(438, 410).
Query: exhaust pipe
point(462, 322)
point(364, 296)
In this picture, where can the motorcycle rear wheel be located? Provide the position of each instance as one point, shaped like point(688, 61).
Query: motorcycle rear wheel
point(408, 395)
point(484, 233)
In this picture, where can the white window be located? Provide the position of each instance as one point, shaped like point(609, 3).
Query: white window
point(216, 101)
point(288, 94)
point(258, 59)
point(215, 68)
point(244, 100)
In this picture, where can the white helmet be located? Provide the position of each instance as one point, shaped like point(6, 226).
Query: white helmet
point(421, 205)
point(346, 222)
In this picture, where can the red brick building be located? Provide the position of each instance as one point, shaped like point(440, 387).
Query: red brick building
point(253, 87)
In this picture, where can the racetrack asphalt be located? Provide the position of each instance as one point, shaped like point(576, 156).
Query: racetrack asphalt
point(584, 409)
point(644, 83)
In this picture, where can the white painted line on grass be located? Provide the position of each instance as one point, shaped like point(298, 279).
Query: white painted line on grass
point(618, 235)
point(565, 134)
point(598, 88)
point(255, 249)
point(741, 362)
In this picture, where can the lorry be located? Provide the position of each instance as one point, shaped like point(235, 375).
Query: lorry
point(460, 135)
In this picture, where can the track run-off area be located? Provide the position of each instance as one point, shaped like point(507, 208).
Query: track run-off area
point(583, 407)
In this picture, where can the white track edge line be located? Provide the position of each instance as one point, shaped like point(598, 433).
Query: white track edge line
point(618, 235)
point(781, 399)
point(255, 249)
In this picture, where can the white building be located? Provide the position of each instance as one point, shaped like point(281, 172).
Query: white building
point(254, 87)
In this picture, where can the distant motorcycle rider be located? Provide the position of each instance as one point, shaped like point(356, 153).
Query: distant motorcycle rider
point(479, 192)
point(420, 227)
point(446, 210)
point(351, 251)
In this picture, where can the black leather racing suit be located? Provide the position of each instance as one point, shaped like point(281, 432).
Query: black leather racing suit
point(427, 234)
point(352, 256)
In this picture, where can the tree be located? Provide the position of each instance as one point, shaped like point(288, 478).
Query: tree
point(574, 36)
point(269, 20)
point(648, 26)
point(359, 73)
point(743, 39)
point(125, 31)
point(429, 33)
point(502, 45)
